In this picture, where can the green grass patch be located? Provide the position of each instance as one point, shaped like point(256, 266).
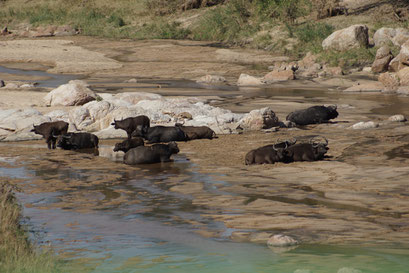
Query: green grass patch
point(17, 254)
point(228, 23)
point(161, 30)
point(354, 57)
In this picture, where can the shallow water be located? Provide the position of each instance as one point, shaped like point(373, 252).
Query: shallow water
point(153, 229)
point(47, 79)
point(132, 222)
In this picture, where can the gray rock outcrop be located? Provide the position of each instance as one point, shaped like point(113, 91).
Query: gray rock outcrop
point(382, 59)
point(75, 92)
point(258, 119)
point(347, 38)
point(395, 36)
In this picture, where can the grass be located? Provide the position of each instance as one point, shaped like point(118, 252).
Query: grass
point(235, 22)
point(17, 253)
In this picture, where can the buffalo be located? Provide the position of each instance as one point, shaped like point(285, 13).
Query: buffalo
point(76, 141)
point(128, 144)
point(269, 154)
point(130, 124)
point(160, 134)
point(197, 132)
point(151, 154)
point(313, 115)
point(315, 150)
point(50, 131)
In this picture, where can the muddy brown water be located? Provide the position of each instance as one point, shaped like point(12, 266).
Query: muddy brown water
point(208, 212)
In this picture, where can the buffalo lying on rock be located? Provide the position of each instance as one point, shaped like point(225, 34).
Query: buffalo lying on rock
point(315, 150)
point(128, 144)
point(50, 131)
point(130, 124)
point(270, 154)
point(313, 115)
point(76, 141)
point(151, 154)
point(160, 134)
point(197, 132)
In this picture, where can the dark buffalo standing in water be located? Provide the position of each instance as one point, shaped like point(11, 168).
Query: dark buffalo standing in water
point(50, 131)
point(130, 124)
point(197, 132)
point(128, 144)
point(77, 141)
point(313, 115)
point(269, 154)
point(160, 134)
point(315, 150)
point(151, 154)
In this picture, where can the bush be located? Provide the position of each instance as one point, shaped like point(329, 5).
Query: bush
point(284, 10)
point(227, 23)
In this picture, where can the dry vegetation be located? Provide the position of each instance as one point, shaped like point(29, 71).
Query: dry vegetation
point(17, 253)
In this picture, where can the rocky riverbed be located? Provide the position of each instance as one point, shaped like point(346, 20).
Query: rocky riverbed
point(358, 194)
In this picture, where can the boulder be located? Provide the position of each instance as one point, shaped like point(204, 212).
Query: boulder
point(18, 119)
point(258, 119)
point(211, 79)
point(135, 97)
point(401, 37)
point(389, 80)
point(2, 83)
point(395, 36)
point(403, 75)
point(401, 60)
point(382, 59)
point(80, 118)
point(383, 36)
point(403, 90)
point(277, 75)
point(347, 38)
point(75, 92)
point(397, 118)
point(364, 125)
point(333, 71)
point(11, 85)
point(65, 31)
point(280, 240)
point(247, 80)
point(348, 270)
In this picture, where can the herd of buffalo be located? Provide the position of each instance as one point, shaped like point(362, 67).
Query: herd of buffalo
point(139, 130)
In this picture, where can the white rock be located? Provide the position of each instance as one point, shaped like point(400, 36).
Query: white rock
point(364, 125)
point(18, 119)
point(258, 119)
point(135, 97)
point(280, 240)
point(344, 39)
point(348, 270)
point(247, 80)
point(11, 85)
point(302, 271)
point(80, 117)
point(383, 35)
point(58, 115)
point(211, 79)
point(397, 118)
point(133, 80)
point(111, 132)
point(75, 92)
point(367, 69)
